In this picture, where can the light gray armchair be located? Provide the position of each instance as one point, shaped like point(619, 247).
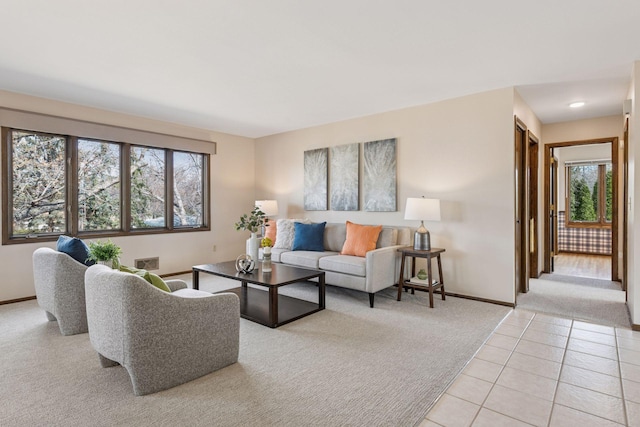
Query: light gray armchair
point(162, 339)
point(59, 283)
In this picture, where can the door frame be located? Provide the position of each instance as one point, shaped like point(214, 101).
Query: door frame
point(615, 158)
point(552, 215)
point(625, 195)
point(521, 220)
point(532, 184)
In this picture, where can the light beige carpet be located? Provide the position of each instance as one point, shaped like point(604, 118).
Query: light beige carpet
point(347, 365)
point(580, 298)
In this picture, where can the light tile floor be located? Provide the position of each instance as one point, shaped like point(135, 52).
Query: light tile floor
point(542, 370)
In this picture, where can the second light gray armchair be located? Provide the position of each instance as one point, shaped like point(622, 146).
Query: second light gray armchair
point(162, 339)
point(59, 283)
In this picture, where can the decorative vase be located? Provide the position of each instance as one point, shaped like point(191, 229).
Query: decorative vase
point(422, 275)
point(253, 243)
point(108, 263)
point(266, 259)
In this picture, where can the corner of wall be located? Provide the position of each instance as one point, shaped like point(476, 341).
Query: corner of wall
point(633, 252)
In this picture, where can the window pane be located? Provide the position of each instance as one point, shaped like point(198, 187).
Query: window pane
point(187, 191)
point(98, 185)
point(147, 187)
point(38, 171)
point(583, 181)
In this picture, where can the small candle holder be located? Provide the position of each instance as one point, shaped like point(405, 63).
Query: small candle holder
point(266, 259)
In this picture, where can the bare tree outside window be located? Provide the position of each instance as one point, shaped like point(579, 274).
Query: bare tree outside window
point(57, 184)
point(38, 178)
point(147, 187)
point(187, 189)
point(98, 185)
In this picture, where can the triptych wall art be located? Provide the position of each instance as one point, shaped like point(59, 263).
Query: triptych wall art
point(342, 164)
point(315, 179)
point(345, 170)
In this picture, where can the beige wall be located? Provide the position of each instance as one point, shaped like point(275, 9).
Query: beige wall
point(459, 150)
point(578, 130)
point(232, 188)
point(633, 289)
point(527, 116)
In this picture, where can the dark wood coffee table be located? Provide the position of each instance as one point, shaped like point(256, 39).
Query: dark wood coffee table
point(267, 307)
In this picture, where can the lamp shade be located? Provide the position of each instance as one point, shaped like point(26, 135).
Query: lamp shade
point(421, 209)
point(269, 207)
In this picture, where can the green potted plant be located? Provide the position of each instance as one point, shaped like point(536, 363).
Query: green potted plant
point(107, 253)
point(252, 223)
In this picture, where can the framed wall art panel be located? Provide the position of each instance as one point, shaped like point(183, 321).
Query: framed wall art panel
point(380, 176)
point(315, 179)
point(344, 177)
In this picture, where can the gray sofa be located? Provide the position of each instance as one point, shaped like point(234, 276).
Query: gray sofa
point(162, 339)
point(378, 270)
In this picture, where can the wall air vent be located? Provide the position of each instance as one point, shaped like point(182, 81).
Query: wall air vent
point(148, 263)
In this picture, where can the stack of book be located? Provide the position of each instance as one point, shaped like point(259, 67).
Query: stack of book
point(423, 282)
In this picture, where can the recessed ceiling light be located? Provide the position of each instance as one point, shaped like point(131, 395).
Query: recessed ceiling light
point(576, 104)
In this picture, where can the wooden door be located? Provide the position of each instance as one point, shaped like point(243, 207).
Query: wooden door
point(550, 217)
point(553, 211)
point(521, 213)
point(615, 220)
point(532, 186)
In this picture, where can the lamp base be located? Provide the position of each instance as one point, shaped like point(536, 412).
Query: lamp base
point(422, 241)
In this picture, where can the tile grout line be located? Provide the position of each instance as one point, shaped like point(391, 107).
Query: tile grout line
point(624, 402)
point(502, 369)
point(519, 339)
point(572, 327)
point(586, 388)
point(564, 356)
point(562, 365)
point(435, 402)
point(484, 343)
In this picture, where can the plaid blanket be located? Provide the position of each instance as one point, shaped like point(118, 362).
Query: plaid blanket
point(583, 240)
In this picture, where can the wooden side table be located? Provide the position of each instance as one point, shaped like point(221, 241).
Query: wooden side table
point(408, 251)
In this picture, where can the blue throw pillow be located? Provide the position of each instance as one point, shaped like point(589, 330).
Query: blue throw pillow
point(308, 237)
point(75, 248)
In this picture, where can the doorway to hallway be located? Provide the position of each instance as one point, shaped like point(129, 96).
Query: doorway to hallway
point(580, 271)
point(581, 265)
point(581, 197)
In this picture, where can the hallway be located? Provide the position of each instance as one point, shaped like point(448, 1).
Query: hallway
point(579, 288)
point(592, 266)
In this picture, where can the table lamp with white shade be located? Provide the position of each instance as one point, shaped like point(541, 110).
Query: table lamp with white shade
point(421, 209)
point(269, 207)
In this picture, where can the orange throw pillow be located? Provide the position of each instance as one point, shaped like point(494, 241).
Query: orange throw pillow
point(360, 239)
point(270, 231)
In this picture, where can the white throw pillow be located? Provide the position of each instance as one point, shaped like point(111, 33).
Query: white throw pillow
point(285, 231)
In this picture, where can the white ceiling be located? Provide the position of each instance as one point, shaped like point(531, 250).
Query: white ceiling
point(257, 67)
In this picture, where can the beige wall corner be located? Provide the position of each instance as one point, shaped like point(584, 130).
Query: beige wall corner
point(460, 150)
point(633, 289)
